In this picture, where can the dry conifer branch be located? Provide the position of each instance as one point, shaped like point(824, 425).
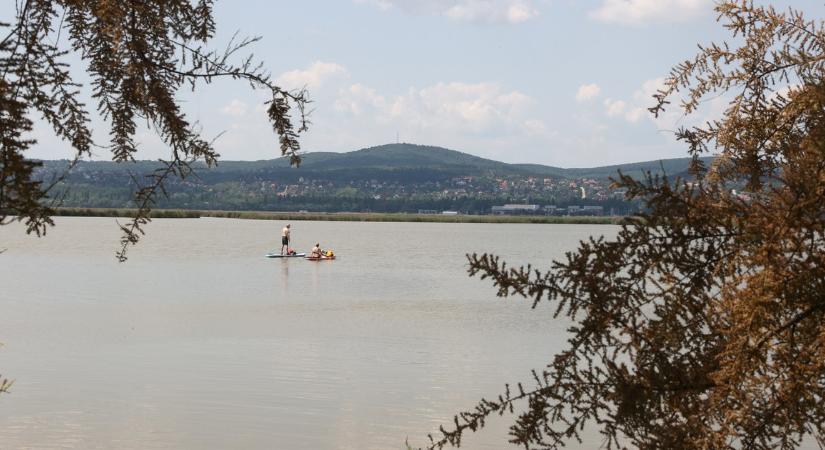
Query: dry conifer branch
point(5, 384)
point(139, 55)
point(702, 324)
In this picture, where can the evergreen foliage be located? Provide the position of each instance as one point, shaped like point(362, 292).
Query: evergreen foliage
point(702, 325)
point(139, 55)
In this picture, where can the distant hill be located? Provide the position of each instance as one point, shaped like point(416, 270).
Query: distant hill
point(401, 157)
point(391, 178)
point(395, 161)
point(672, 167)
point(396, 156)
point(410, 156)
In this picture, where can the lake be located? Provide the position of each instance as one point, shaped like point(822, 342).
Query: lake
point(198, 341)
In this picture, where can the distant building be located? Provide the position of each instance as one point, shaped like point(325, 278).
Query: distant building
point(449, 213)
point(576, 210)
point(516, 209)
point(553, 210)
point(427, 211)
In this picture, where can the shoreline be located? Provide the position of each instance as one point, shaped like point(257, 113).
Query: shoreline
point(339, 216)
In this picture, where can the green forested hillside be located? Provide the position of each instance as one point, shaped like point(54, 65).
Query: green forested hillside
point(671, 167)
point(393, 177)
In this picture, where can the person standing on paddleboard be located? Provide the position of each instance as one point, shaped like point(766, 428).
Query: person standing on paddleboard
point(285, 239)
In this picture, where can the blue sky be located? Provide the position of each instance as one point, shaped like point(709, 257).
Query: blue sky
point(557, 82)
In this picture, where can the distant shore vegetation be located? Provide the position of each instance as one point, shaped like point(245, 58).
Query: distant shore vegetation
point(340, 216)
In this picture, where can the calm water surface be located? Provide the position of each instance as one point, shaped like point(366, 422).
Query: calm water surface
point(200, 342)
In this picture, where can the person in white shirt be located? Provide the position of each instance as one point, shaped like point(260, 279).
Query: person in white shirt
point(285, 239)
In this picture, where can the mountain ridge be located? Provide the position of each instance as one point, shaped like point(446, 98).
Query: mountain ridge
point(387, 178)
point(399, 154)
point(413, 157)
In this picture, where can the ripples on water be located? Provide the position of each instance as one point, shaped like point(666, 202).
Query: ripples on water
point(200, 342)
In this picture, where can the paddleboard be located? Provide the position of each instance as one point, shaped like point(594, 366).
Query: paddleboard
point(278, 255)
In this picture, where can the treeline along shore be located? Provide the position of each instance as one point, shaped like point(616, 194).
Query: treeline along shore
point(339, 216)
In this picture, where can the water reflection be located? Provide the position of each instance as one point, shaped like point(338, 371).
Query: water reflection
point(284, 276)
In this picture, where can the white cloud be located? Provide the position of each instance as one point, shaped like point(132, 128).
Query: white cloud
point(520, 13)
point(588, 92)
point(235, 108)
point(382, 4)
point(635, 109)
point(461, 106)
point(535, 127)
point(478, 11)
point(475, 108)
point(648, 89)
point(358, 99)
point(636, 12)
point(635, 114)
point(614, 107)
point(313, 76)
point(491, 11)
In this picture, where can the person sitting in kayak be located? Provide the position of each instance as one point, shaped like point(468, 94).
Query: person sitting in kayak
point(316, 251)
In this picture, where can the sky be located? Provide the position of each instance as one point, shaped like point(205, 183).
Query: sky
point(557, 82)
